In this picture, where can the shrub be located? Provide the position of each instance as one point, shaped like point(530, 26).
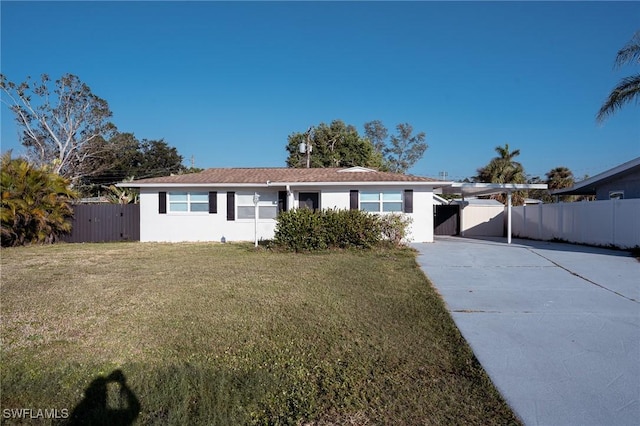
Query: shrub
point(307, 230)
point(36, 203)
point(300, 230)
point(394, 228)
point(352, 228)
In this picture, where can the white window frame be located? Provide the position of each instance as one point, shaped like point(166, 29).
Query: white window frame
point(366, 198)
point(191, 201)
point(268, 201)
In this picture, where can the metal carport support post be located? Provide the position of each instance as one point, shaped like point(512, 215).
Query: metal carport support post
point(482, 189)
point(508, 217)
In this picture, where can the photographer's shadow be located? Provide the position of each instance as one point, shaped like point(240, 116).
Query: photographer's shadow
point(103, 404)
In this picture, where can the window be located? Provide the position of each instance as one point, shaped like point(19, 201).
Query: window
point(188, 202)
point(616, 195)
point(267, 205)
point(381, 201)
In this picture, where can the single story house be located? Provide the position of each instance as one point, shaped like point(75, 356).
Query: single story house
point(620, 182)
point(220, 204)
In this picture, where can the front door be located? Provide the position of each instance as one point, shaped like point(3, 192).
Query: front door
point(309, 200)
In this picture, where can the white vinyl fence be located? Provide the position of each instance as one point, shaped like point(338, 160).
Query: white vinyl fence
point(603, 223)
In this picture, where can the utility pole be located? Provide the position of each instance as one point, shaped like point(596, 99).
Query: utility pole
point(309, 148)
point(305, 147)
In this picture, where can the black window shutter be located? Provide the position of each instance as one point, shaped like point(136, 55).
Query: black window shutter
point(408, 201)
point(353, 199)
point(282, 201)
point(231, 206)
point(162, 202)
point(213, 202)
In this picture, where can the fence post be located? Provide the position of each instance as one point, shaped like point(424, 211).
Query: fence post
point(540, 215)
point(613, 222)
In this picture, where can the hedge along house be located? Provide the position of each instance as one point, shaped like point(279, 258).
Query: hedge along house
point(220, 204)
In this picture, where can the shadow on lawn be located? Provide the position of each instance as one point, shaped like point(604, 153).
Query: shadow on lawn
point(107, 401)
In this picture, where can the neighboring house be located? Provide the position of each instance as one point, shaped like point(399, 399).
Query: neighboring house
point(620, 182)
point(218, 204)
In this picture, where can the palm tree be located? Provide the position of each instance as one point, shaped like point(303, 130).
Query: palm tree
point(629, 87)
point(504, 169)
point(558, 178)
point(36, 203)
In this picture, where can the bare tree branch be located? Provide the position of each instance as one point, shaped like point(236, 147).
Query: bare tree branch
point(58, 124)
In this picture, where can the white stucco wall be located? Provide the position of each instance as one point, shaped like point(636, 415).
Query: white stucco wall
point(202, 226)
point(421, 230)
point(483, 221)
point(196, 226)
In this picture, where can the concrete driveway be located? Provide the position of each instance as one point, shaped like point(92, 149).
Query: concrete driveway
point(556, 326)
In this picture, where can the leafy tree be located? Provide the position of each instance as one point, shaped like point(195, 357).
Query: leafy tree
point(157, 158)
point(191, 169)
point(402, 151)
point(405, 149)
point(58, 123)
point(504, 169)
point(36, 203)
point(333, 145)
point(124, 157)
point(119, 157)
point(628, 89)
point(377, 133)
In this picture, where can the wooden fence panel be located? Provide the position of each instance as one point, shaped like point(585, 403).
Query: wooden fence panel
point(97, 223)
point(447, 220)
point(131, 222)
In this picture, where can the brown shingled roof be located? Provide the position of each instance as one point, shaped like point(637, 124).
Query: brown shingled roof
point(281, 175)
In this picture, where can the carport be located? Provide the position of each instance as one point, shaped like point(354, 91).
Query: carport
point(484, 189)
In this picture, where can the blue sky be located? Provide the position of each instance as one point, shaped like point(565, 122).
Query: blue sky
point(227, 82)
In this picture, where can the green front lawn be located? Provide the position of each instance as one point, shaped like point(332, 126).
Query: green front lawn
point(225, 334)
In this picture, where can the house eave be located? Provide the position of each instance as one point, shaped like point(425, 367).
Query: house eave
point(483, 189)
point(588, 186)
point(435, 184)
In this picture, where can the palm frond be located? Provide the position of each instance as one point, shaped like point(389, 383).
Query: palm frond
point(626, 91)
point(629, 53)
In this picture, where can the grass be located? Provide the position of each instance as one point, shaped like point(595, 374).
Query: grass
point(225, 334)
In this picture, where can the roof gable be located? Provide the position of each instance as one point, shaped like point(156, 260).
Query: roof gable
point(356, 169)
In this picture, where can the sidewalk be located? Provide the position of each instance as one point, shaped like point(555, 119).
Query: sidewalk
point(556, 326)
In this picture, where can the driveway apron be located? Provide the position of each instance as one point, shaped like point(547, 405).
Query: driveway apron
point(556, 326)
